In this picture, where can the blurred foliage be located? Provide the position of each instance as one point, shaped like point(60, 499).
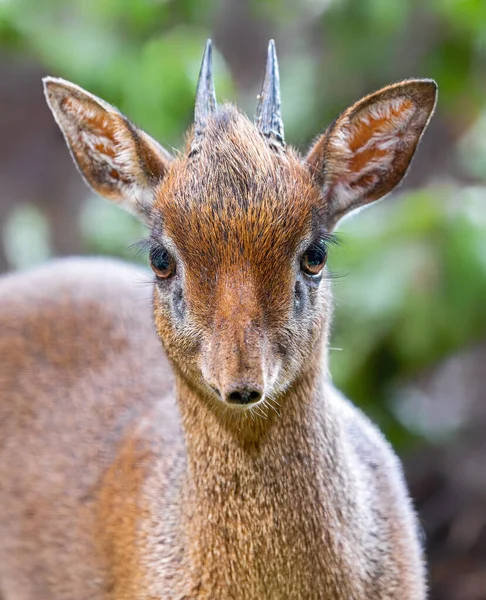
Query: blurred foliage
point(412, 292)
point(415, 265)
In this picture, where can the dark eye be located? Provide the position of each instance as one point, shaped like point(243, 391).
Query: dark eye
point(314, 259)
point(162, 263)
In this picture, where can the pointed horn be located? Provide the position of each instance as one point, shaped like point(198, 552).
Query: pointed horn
point(205, 95)
point(268, 116)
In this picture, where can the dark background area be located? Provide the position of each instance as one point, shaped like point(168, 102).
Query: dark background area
point(409, 340)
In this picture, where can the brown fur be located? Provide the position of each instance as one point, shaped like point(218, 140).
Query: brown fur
point(108, 488)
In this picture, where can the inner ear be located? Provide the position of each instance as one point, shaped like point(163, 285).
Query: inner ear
point(367, 151)
point(116, 158)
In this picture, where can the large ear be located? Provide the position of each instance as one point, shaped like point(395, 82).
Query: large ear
point(367, 151)
point(118, 160)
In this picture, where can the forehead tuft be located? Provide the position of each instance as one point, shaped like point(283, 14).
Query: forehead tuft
point(236, 184)
point(231, 139)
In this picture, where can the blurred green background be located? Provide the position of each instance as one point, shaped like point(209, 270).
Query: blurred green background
point(409, 340)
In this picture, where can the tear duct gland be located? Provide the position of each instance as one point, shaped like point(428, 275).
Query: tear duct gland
point(202, 499)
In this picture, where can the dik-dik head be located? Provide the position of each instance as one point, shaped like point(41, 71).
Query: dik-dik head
point(240, 223)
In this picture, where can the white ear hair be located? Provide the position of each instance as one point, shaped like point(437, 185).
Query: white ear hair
point(118, 160)
point(366, 153)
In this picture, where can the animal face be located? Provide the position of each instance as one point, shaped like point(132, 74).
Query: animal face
point(246, 293)
point(240, 224)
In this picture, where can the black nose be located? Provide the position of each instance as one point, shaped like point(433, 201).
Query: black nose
point(244, 396)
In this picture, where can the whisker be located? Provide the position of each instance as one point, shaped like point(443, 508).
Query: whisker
point(270, 400)
point(260, 412)
point(267, 407)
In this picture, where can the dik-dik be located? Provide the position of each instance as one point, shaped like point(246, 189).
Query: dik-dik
point(212, 459)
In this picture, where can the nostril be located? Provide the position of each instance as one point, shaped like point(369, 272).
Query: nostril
point(244, 397)
point(235, 397)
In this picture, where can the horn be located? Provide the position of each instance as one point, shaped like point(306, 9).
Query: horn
point(268, 116)
point(205, 94)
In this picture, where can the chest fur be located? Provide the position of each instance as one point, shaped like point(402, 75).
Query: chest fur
point(263, 533)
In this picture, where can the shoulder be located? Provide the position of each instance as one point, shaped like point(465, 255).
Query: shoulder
point(381, 485)
point(374, 471)
point(375, 463)
point(363, 435)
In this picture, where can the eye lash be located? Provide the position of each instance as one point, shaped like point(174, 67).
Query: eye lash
point(152, 244)
point(140, 247)
point(328, 239)
point(158, 251)
point(332, 239)
point(147, 246)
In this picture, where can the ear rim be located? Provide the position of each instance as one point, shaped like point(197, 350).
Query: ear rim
point(128, 201)
point(423, 91)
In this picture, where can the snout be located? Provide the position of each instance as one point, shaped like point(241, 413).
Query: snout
point(233, 365)
point(237, 379)
point(234, 358)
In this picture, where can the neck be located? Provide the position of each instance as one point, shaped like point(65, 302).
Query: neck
point(262, 493)
point(212, 429)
